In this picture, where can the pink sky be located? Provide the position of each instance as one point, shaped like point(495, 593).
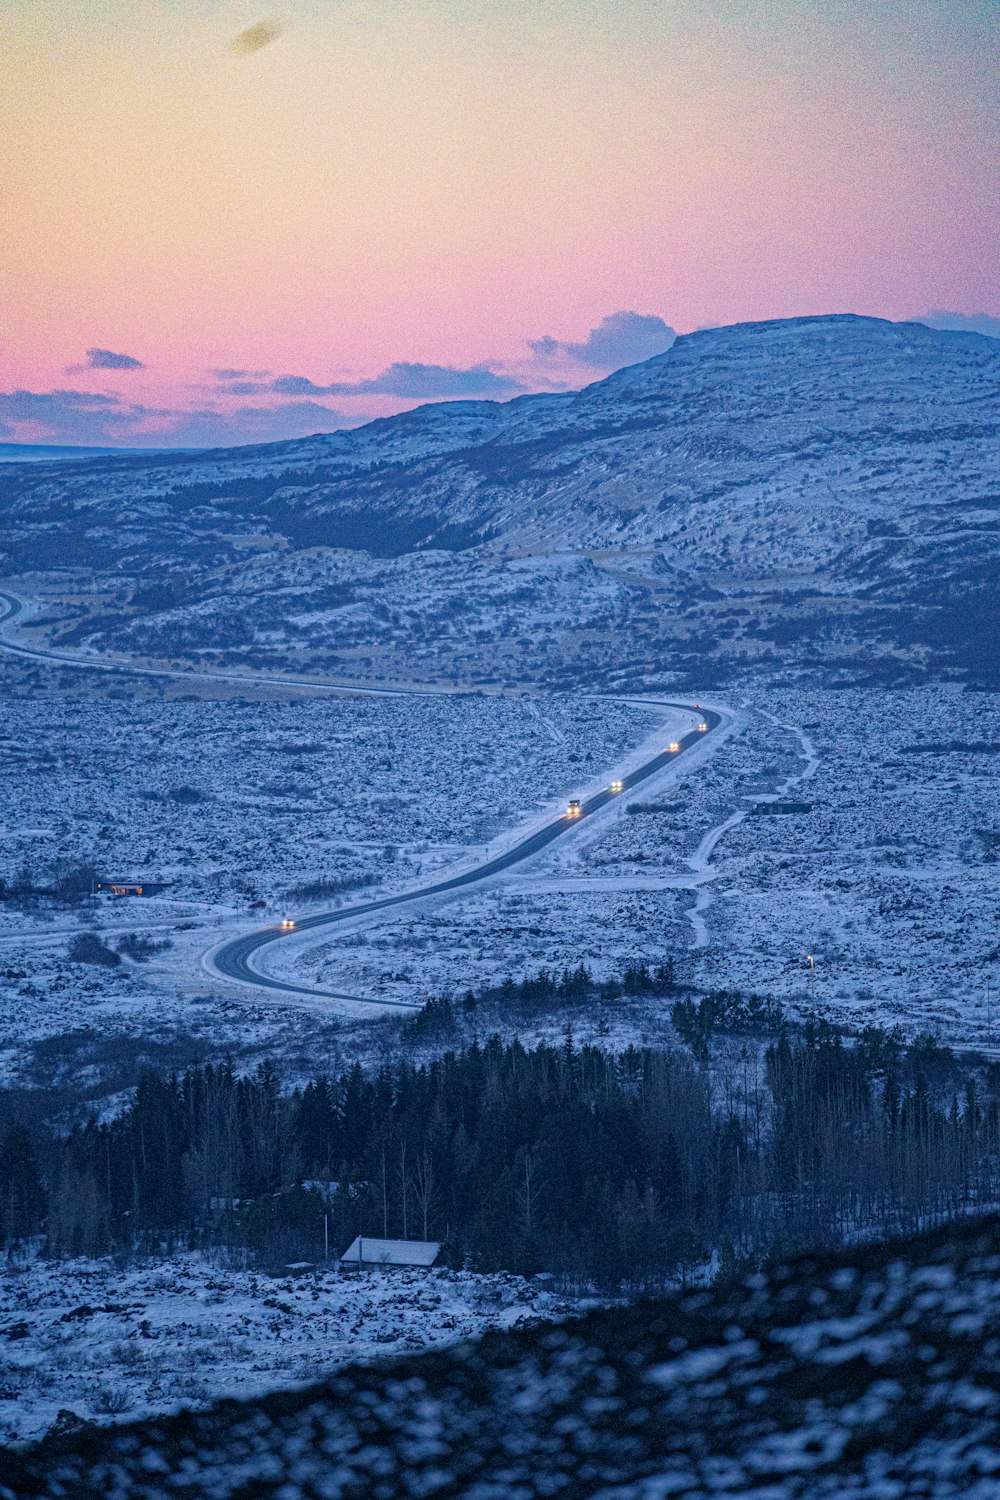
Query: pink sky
point(447, 183)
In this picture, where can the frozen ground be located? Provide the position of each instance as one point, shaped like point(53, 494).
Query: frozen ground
point(890, 879)
point(872, 1377)
point(774, 496)
point(880, 861)
point(228, 801)
point(860, 828)
point(300, 804)
point(107, 1343)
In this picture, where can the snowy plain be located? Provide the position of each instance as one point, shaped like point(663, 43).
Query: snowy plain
point(879, 861)
point(103, 1341)
point(860, 829)
point(300, 804)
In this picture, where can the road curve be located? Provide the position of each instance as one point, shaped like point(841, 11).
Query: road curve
point(11, 607)
point(233, 959)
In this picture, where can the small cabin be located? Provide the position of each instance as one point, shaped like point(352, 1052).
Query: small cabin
point(130, 887)
point(366, 1254)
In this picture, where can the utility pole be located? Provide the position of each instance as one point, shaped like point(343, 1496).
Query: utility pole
point(326, 1238)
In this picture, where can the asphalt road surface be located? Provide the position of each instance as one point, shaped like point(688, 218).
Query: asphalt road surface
point(233, 959)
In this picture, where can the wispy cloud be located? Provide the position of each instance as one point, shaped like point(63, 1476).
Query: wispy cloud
point(68, 416)
point(38, 404)
point(409, 382)
point(261, 34)
point(227, 374)
point(403, 380)
point(622, 338)
point(957, 322)
point(209, 428)
point(107, 359)
point(246, 387)
point(73, 416)
point(290, 406)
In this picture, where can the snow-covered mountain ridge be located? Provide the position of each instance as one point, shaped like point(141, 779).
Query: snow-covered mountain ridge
point(843, 458)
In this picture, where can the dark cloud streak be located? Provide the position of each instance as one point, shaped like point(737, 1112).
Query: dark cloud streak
point(105, 420)
point(240, 374)
point(408, 382)
point(258, 36)
point(72, 415)
point(207, 428)
point(107, 359)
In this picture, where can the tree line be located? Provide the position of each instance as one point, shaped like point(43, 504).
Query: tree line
point(609, 1168)
point(538, 995)
point(66, 883)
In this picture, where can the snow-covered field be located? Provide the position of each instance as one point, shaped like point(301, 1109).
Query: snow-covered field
point(803, 502)
point(106, 1342)
point(227, 801)
point(789, 493)
point(446, 615)
point(860, 828)
point(301, 804)
point(880, 860)
point(890, 880)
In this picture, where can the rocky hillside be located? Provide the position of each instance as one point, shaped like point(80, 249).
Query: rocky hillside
point(817, 489)
point(873, 1375)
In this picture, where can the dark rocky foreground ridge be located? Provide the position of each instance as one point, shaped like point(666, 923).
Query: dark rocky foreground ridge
point(874, 1373)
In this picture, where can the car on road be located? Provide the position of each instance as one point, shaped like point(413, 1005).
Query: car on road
point(288, 924)
point(702, 728)
point(616, 785)
point(674, 746)
point(574, 808)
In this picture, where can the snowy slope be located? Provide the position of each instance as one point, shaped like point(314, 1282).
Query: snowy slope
point(835, 470)
point(97, 1339)
point(875, 1375)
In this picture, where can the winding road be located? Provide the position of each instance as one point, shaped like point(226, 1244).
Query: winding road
point(11, 607)
point(232, 960)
